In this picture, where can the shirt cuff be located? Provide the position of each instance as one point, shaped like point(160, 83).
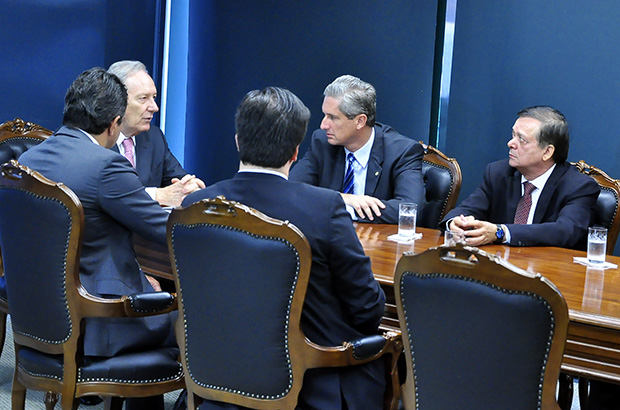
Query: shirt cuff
point(152, 191)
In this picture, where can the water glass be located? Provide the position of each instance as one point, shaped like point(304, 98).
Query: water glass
point(407, 213)
point(452, 238)
point(597, 244)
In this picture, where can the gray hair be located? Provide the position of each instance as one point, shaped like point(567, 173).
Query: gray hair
point(126, 68)
point(355, 97)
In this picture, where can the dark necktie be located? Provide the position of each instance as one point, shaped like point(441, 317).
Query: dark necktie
point(129, 152)
point(347, 187)
point(524, 205)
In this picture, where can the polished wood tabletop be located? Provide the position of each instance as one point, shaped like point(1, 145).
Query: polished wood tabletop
point(592, 295)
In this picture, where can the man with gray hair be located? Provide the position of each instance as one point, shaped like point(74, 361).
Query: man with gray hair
point(373, 166)
point(143, 144)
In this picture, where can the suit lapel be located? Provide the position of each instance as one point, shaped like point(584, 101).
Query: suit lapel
point(143, 161)
point(514, 195)
point(375, 162)
point(547, 193)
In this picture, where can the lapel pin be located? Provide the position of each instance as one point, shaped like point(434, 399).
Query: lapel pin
point(376, 173)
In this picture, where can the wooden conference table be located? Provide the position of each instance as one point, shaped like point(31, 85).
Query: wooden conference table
point(592, 295)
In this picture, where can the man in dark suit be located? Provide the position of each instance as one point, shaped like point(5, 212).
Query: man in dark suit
point(387, 167)
point(343, 300)
point(115, 206)
point(533, 198)
point(158, 169)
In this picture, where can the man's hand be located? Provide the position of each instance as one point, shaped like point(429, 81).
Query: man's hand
point(477, 233)
point(173, 195)
point(365, 206)
point(154, 283)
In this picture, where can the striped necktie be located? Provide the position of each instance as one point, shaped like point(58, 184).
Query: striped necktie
point(524, 205)
point(348, 186)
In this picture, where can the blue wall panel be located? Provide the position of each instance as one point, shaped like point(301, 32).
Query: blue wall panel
point(242, 45)
point(517, 53)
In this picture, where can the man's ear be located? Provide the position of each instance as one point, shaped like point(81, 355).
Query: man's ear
point(360, 121)
point(548, 154)
point(295, 155)
point(237, 142)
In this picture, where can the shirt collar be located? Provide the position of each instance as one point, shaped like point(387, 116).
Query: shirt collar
point(540, 181)
point(264, 171)
point(89, 136)
point(362, 155)
point(121, 138)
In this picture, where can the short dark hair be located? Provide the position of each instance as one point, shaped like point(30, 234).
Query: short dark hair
point(93, 100)
point(553, 130)
point(355, 97)
point(270, 123)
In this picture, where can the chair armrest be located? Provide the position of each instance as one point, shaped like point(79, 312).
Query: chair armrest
point(149, 303)
point(367, 346)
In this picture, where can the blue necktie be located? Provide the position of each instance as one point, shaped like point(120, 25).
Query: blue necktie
point(347, 187)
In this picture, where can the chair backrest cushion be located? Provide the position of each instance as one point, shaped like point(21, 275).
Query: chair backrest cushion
point(475, 343)
point(606, 207)
point(238, 286)
point(34, 233)
point(438, 183)
point(14, 147)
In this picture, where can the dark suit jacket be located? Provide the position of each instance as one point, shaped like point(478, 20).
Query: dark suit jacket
point(115, 205)
point(562, 216)
point(155, 164)
point(394, 169)
point(343, 300)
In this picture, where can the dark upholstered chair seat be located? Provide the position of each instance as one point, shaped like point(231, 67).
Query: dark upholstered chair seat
point(241, 278)
point(479, 333)
point(142, 367)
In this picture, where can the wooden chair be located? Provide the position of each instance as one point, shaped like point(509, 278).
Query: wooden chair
point(41, 228)
point(15, 137)
point(606, 212)
point(478, 332)
point(442, 180)
point(242, 276)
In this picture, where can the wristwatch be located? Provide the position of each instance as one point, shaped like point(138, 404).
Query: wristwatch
point(499, 234)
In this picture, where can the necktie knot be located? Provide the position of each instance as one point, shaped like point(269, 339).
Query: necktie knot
point(129, 151)
point(528, 187)
point(348, 186)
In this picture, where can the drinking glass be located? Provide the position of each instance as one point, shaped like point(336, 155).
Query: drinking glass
point(407, 213)
point(597, 244)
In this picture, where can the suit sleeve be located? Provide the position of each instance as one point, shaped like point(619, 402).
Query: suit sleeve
point(122, 196)
point(571, 225)
point(306, 170)
point(408, 184)
point(478, 204)
point(361, 297)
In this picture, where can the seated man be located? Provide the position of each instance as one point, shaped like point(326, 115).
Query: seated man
point(383, 168)
point(158, 169)
point(343, 300)
point(115, 206)
point(533, 198)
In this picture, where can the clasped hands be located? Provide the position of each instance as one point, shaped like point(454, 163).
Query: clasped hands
point(477, 232)
point(173, 194)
